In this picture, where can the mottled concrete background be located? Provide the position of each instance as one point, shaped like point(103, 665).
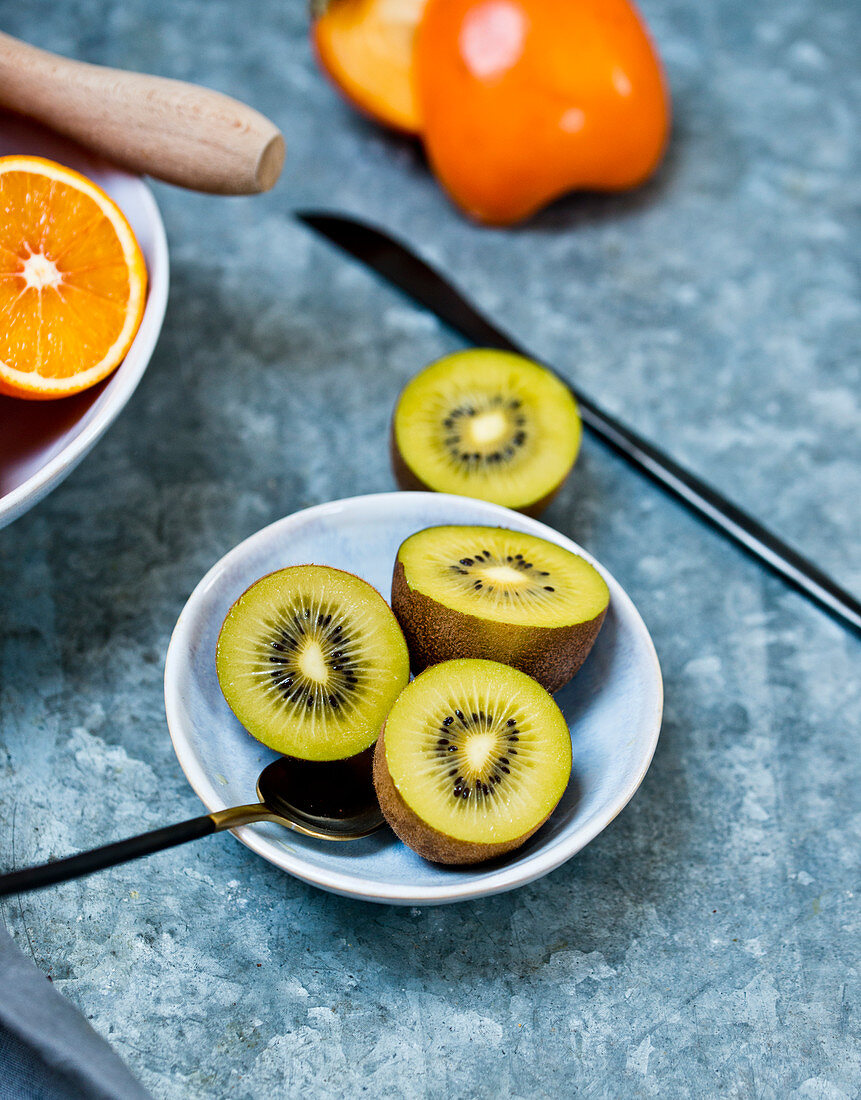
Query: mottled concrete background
point(707, 943)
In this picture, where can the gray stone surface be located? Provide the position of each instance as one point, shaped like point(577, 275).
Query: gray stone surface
point(706, 944)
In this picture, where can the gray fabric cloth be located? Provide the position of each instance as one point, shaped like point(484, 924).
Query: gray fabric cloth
point(48, 1051)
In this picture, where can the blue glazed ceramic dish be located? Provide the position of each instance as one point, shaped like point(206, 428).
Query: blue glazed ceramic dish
point(613, 706)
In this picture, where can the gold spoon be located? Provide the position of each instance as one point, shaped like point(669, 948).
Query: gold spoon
point(331, 801)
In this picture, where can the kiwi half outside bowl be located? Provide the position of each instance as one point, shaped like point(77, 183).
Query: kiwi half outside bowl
point(499, 595)
point(488, 424)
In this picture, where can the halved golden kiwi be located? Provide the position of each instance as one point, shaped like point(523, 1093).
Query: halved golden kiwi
point(487, 424)
point(310, 659)
point(500, 595)
point(473, 758)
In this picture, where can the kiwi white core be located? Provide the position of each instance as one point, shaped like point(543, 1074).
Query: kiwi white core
point(478, 750)
point(487, 427)
point(312, 662)
point(504, 574)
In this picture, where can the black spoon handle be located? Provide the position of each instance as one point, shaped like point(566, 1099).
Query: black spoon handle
point(85, 863)
point(412, 276)
point(97, 859)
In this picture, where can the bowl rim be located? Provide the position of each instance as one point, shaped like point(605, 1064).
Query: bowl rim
point(494, 881)
point(125, 379)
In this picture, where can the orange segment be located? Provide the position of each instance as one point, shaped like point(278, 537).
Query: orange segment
point(72, 280)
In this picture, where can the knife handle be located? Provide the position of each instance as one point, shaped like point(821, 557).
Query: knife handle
point(174, 131)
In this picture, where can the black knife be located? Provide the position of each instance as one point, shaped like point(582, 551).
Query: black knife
point(411, 275)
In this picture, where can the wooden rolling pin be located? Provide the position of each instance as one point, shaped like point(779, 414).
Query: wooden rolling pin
point(174, 131)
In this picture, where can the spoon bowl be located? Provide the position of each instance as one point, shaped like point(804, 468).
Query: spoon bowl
point(329, 801)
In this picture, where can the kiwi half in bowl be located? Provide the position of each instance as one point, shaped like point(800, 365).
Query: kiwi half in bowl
point(500, 595)
point(488, 424)
point(310, 659)
point(473, 758)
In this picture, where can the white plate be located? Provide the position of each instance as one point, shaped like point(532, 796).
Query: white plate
point(613, 705)
point(42, 441)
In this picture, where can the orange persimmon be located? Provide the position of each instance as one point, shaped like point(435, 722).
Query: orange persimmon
point(524, 100)
point(366, 47)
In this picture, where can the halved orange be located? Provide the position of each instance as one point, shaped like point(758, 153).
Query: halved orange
point(72, 280)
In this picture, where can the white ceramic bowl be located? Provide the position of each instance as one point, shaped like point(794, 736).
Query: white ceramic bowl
point(613, 705)
point(42, 441)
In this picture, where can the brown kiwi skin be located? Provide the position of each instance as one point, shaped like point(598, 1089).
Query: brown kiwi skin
point(407, 480)
point(424, 839)
point(434, 633)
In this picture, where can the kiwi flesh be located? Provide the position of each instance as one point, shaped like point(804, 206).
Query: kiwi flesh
point(472, 760)
point(310, 659)
point(488, 424)
point(500, 595)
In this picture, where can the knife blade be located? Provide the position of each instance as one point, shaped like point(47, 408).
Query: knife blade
point(415, 278)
